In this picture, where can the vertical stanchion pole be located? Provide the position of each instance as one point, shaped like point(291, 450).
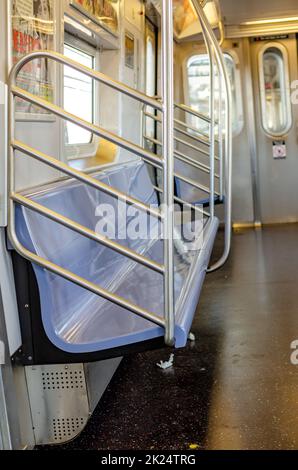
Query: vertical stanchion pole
point(220, 139)
point(212, 124)
point(168, 156)
point(228, 132)
point(11, 163)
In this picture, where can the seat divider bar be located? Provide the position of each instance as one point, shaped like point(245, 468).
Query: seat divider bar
point(110, 136)
point(66, 222)
point(52, 162)
point(84, 283)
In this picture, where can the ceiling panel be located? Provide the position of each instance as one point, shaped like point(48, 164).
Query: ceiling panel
point(239, 11)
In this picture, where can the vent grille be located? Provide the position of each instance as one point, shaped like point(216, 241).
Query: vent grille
point(67, 428)
point(65, 380)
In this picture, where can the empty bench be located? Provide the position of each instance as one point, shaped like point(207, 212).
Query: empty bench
point(76, 321)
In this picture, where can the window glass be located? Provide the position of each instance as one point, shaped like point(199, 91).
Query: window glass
point(78, 96)
point(150, 124)
point(198, 74)
point(276, 106)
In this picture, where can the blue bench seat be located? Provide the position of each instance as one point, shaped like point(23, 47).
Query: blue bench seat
point(77, 321)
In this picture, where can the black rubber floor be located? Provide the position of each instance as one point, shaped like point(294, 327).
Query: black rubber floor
point(235, 387)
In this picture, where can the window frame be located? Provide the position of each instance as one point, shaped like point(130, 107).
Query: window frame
point(85, 150)
point(288, 104)
point(238, 83)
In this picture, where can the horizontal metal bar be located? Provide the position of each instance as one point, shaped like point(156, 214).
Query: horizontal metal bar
point(195, 113)
point(185, 203)
point(52, 162)
point(189, 145)
point(190, 161)
point(66, 222)
point(197, 149)
point(202, 135)
point(204, 139)
point(182, 157)
point(197, 139)
point(111, 137)
point(79, 281)
point(193, 183)
point(152, 140)
point(98, 76)
point(158, 142)
point(192, 206)
point(152, 116)
point(190, 181)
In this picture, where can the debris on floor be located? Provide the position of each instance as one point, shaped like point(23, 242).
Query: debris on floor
point(166, 364)
point(192, 337)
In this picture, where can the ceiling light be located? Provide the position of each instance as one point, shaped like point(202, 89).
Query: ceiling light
point(270, 21)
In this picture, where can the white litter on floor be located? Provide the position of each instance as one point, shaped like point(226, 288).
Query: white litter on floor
point(166, 364)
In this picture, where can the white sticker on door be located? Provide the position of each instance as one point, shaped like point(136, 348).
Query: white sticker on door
point(279, 150)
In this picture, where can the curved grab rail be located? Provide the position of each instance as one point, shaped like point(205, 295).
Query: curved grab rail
point(95, 75)
point(166, 107)
point(167, 163)
point(210, 37)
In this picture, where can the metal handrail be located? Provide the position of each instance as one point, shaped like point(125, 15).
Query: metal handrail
point(203, 139)
point(211, 39)
point(189, 110)
point(167, 216)
point(190, 161)
point(224, 158)
point(70, 276)
point(95, 75)
point(197, 149)
point(169, 166)
point(166, 163)
point(211, 128)
point(72, 225)
point(84, 178)
point(196, 185)
point(182, 202)
point(111, 137)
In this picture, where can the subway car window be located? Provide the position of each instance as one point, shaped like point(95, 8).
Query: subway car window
point(151, 75)
point(275, 94)
point(78, 95)
point(198, 89)
point(198, 81)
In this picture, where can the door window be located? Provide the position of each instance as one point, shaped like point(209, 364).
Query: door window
point(275, 91)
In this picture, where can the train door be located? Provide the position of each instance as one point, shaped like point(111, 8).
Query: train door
point(274, 68)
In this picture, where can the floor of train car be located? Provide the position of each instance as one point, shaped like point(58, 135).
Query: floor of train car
point(235, 387)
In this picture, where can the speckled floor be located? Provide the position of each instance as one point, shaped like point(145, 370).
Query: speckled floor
point(235, 387)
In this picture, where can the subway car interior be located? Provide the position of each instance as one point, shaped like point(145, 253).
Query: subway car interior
point(148, 225)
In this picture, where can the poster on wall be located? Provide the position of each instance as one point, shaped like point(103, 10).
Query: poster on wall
point(33, 30)
point(102, 12)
